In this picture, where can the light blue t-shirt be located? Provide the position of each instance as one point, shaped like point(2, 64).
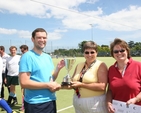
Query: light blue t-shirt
point(41, 68)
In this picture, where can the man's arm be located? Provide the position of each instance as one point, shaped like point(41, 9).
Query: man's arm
point(27, 83)
point(59, 66)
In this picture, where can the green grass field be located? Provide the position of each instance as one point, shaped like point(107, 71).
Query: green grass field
point(64, 97)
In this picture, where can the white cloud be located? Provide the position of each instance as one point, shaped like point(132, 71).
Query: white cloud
point(27, 34)
point(8, 31)
point(20, 33)
point(124, 20)
point(24, 34)
point(24, 7)
point(68, 12)
point(38, 8)
point(54, 36)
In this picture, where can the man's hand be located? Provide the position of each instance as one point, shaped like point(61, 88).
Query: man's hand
point(54, 86)
point(61, 64)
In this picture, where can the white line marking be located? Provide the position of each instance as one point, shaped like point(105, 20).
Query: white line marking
point(64, 109)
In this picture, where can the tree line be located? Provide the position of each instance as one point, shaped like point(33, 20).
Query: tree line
point(103, 50)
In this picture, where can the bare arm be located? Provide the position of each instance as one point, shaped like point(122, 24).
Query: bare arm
point(59, 66)
point(27, 83)
point(135, 99)
point(109, 101)
point(102, 80)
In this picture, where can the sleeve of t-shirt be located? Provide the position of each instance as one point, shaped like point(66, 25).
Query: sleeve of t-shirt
point(25, 63)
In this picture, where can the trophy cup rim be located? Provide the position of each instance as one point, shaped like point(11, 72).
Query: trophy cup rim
point(71, 64)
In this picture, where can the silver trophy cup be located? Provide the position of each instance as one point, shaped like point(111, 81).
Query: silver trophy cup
point(68, 64)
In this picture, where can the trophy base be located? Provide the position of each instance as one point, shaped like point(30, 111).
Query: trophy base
point(65, 83)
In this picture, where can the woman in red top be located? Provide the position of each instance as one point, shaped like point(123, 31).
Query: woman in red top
point(124, 76)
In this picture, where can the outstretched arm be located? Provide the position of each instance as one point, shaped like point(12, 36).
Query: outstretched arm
point(59, 66)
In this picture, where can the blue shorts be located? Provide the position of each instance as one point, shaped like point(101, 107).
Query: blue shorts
point(47, 107)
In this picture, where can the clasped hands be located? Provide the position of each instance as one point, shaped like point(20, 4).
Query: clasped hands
point(54, 86)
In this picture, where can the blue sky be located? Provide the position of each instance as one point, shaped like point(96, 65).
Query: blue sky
point(69, 22)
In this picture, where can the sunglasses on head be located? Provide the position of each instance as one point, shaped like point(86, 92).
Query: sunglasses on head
point(92, 52)
point(117, 51)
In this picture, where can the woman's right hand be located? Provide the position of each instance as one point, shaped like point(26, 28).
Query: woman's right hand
point(110, 108)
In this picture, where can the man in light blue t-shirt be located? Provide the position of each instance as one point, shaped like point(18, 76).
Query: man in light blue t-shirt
point(37, 76)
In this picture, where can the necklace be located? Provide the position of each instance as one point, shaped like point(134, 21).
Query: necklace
point(122, 70)
point(83, 71)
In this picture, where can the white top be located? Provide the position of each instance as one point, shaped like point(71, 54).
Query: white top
point(4, 58)
point(13, 65)
point(1, 65)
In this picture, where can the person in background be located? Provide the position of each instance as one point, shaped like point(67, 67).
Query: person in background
point(12, 80)
point(23, 48)
point(3, 103)
point(37, 76)
point(89, 82)
point(4, 57)
point(124, 76)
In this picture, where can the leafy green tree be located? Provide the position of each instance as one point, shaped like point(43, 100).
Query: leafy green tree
point(80, 45)
point(131, 44)
point(103, 50)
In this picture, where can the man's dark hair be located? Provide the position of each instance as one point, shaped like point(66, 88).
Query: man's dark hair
point(38, 30)
point(2, 48)
point(25, 47)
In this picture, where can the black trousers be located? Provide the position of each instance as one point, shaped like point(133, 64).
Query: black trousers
point(3, 84)
point(47, 107)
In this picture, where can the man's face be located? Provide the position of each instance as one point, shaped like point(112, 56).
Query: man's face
point(13, 51)
point(23, 50)
point(40, 40)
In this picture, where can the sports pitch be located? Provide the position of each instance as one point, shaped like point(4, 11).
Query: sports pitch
point(64, 97)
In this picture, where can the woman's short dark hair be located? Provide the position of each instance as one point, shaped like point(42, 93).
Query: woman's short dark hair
point(122, 44)
point(89, 45)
